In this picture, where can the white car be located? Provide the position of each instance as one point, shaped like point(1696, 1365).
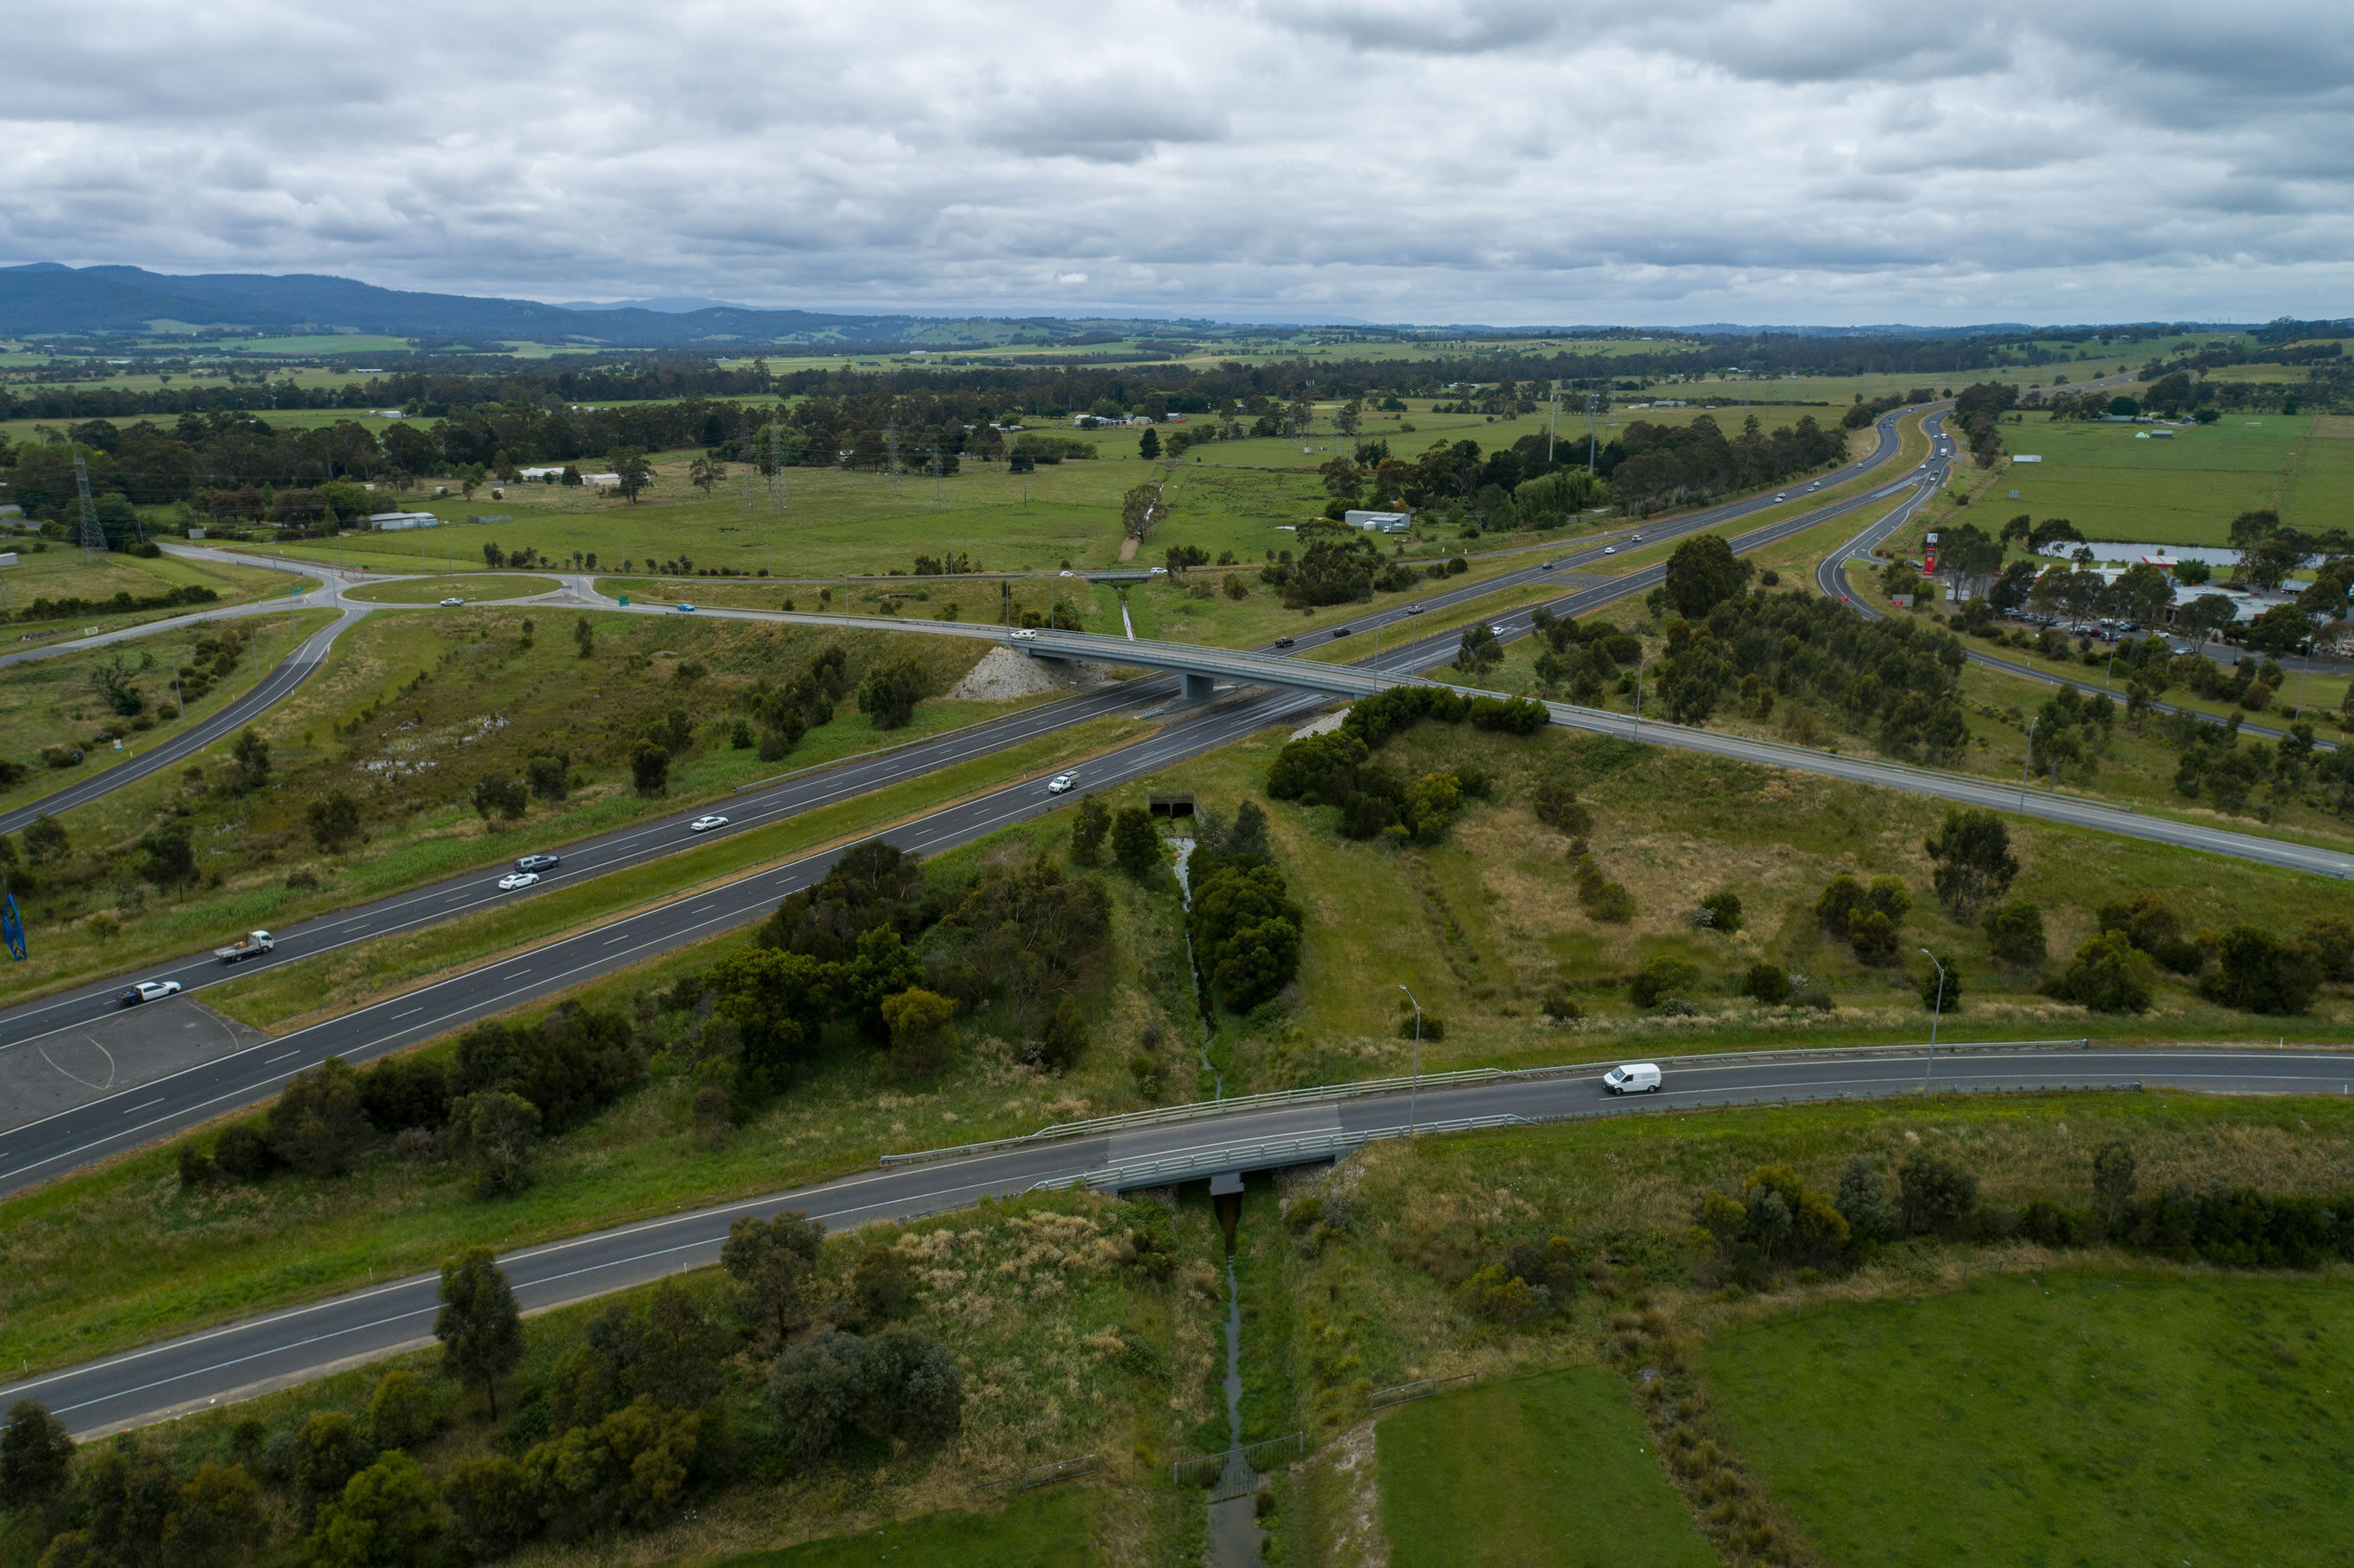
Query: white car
point(705, 824)
point(516, 879)
point(1498, 628)
point(1609, 549)
point(687, 610)
point(447, 602)
point(1024, 633)
point(1632, 1078)
point(148, 991)
point(1414, 609)
point(1061, 783)
point(1066, 574)
point(1782, 497)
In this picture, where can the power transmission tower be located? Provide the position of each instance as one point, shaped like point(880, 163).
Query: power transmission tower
point(93, 537)
point(1553, 421)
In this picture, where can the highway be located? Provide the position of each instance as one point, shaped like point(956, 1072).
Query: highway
point(221, 1364)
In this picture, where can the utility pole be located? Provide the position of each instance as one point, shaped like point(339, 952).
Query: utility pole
point(1933, 1019)
point(1593, 402)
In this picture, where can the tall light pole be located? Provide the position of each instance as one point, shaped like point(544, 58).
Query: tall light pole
point(1934, 1018)
point(2026, 759)
point(1413, 1093)
point(1639, 695)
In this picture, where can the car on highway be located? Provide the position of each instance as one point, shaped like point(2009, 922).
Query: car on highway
point(147, 991)
point(538, 862)
point(1066, 574)
point(1632, 1078)
point(684, 609)
point(1024, 633)
point(1414, 609)
point(516, 879)
point(1634, 538)
point(447, 602)
point(1547, 565)
point(1817, 485)
point(1498, 628)
point(1783, 497)
point(1060, 784)
point(1609, 549)
point(705, 824)
point(1283, 642)
point(1341, 630)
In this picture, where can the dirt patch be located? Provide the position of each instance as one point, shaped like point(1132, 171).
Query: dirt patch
point(1323, 724)
point(1003, 676)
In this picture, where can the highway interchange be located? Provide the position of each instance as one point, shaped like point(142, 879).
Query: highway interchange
point(285, 1346)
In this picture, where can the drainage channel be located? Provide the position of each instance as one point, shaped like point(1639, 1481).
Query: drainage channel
point(1235, 1536)
point(1201, 993)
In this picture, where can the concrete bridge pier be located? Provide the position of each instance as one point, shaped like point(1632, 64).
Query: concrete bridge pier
point(1200, 688)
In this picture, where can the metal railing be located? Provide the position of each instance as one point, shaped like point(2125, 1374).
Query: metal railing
point(1044, 1474)
point(1420, 1388)
point(1273, 1153)
point(1278, 1098)
point(1236, 1472)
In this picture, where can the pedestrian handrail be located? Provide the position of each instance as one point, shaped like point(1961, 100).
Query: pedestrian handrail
point(1210, 1469)
point(1275, 1099)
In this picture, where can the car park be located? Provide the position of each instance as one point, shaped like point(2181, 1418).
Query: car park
point(147, 991)
point(1632, 1078)
point(705, 824)
point(1061, 783)
point(516, 879)
point(539, 863)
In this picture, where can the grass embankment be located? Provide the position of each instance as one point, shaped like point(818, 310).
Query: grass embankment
point(121, 1254)
point(2020, 1419)
point(1064, 1348)
point(412, 711)
point(471, 586)
point(48, 702)
point(1483, 924)
point(1554, 1469)
point(59, 573)
point(291, 994)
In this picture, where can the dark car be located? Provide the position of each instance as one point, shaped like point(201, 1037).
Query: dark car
point(539, 863)
point(1283, 642)
point(1341, 631)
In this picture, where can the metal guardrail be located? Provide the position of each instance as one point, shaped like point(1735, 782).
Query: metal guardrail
point(1234, 1472)
point(1276, 1098)
point(1273, 1153)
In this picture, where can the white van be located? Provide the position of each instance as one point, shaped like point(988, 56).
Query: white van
point(1632, 1078)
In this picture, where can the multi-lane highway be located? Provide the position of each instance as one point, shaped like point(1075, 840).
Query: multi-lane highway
point(219, 1364)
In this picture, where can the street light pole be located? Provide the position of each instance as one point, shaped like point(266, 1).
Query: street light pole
point(1639, 695)
point(2026, 759)
point(1933, 1019)
point(1413, 1094)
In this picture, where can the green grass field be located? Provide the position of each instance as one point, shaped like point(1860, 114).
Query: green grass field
point(59, 572)
point(2184, 489)
point(472, 587)
point(1052, 1529)
point(2076, 1418)
point(1545, 1472)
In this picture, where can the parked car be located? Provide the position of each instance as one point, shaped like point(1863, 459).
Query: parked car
point(1632, 1078)
point(516, 879)
point(148, 991)
point(538, 862)
point(705, 824)
point(1061, 783)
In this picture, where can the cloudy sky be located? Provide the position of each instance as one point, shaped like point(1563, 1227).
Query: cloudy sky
point(1499, 161)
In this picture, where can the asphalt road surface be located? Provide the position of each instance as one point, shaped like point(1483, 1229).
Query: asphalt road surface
point(222, 1364)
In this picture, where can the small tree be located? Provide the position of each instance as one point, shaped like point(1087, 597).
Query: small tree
point(629, 465)
point(1938, 1195)
point(35, 1459)
point(46, 840)
point(168, 858)
point(479, 1330)
point(1147, 446)
point(400, 1411)
point(1481, 650)
point(1661, 979)
point(500, 795)
point(216, 1521)
point(1974, 865)
point(1135, 845)
point(252, 755)
point(921, 1035)
point(2108, 974)
point(500, 1130)
point(386, 1518)
point(704, 472)
point(2113, 1178)
point(1941, 989)
point(2015, 934)
point(774, 1265)
point(890, 691)
point(583, 637)
point(492, 1506)
point(317, 1123)
point(333, 820)
point(650, 768)
point(813, 1390)
point(329, 1450)
point(1088, 830)
point(550, 777)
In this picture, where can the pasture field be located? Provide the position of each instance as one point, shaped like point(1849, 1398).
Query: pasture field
point(2184, 489)
point(59, 572)
point(2067, 1417)
point(1554, 1469)
point(471, 586)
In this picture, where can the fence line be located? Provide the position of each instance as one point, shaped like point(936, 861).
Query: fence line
point(1420, 1388)
point(1041, 1475)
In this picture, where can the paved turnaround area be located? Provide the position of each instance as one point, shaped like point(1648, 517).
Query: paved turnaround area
point(221, 1364)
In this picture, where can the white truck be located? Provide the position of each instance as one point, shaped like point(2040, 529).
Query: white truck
point(253, 944)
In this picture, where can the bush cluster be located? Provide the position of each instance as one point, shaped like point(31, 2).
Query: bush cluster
point(1336, 768)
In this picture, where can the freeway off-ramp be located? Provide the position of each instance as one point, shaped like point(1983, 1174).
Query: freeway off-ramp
point(221, 1364)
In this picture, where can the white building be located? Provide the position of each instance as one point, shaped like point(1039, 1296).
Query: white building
point(1379, 522)
point(397, 521)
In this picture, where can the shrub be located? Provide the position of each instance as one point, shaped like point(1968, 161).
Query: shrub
point(1938, 1196)
point(242, 1153)
point(2108, 974)
point(2257, 974)
point(2015, 934)
point(1561, 1006)
point(1660, 978)
point(1864, 1199)
point(329, 1450)
point(814, 1389)
point(1557, 807)
point(1720, 912)
point(494, 1508)
point(913, 1390)
point(1941, 990)
point(316, 1125)
point(1767, 983)
point(402, 1412)
point(1425, 1026)
point(882, 1283)
point(1873, 936)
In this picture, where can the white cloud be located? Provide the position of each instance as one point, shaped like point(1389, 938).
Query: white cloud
point(1425, 160)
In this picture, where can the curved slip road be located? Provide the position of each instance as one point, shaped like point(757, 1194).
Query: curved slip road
point(218, 1366)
